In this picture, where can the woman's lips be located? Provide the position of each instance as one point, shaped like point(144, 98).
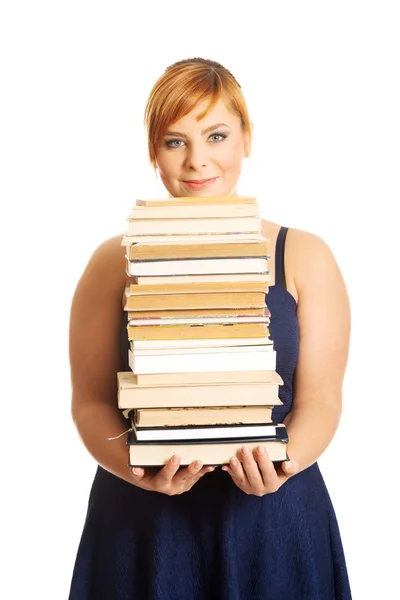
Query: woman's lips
point(199, 185)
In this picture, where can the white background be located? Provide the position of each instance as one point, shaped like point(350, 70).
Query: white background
point(322, 84)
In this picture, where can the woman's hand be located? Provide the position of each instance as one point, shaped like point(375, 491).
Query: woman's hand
point(257, 474)
point(170, 479)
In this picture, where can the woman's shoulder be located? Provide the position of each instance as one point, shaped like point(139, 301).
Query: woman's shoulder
point(106, 265)
point(306, 254)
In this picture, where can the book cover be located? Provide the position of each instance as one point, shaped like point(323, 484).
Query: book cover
point(196, 200)
point(196, 266)
point(146, 454)
point(163, 332)
point(200, 433)
point(217, 377)
point(192, 211)
point(238, 250)
point(214, 300)
point(191, 279)
point(200, 287)
point(212, 225)
point(132, 395)
point(199, 415)
point(192, 363)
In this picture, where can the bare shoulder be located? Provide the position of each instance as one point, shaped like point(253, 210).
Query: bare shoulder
point(310, 260)
point(108, 257)
point(95, 323)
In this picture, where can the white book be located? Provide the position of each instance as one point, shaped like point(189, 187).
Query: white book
point(214, 225)
point(206, 433)
point(197, 320)
point(205, 211)
point(236, 277)
point(198, 363)
point(231, 349)
point(153, 240)
point(204, 342)
point(197, 266)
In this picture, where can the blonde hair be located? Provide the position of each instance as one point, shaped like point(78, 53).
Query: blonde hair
point(183, 85)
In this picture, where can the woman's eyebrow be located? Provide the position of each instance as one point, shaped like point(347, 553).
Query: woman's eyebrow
point(202, 133)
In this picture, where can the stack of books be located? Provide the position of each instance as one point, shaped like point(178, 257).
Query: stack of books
point(203, 381)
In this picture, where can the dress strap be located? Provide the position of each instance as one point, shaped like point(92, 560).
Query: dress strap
point(280, 278)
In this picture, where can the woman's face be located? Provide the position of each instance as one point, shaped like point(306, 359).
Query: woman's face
point(197, 150)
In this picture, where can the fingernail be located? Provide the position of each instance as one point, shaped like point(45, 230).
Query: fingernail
point(233, 462)
point(245, 450)
point(135, 471)
point(197, 465)
point(175, 459)
point(260, 449)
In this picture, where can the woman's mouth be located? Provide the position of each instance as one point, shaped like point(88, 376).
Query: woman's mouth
point(199, 184)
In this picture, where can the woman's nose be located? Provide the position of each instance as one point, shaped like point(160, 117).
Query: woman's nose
point(196, 157)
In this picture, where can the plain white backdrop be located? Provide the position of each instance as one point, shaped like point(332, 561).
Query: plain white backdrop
point(322, 84)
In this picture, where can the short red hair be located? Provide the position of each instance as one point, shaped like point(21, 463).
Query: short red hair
point(183, 86)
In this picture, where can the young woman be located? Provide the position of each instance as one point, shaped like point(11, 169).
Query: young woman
point(247, 530)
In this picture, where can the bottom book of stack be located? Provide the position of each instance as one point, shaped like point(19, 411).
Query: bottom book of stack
point(212, 433)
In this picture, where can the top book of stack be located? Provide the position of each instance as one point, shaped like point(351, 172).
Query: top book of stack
point(231, 218)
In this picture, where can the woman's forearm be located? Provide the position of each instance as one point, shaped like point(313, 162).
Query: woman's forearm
point(95, 422)
point(311, 428)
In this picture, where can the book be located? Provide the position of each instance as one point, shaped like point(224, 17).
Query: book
point(171, 250)
point(153, 379)
point(191, 320)
point(212, 225)
point(132, 395)
point(191, 279)
point(188, 238)
point(211, 300)
point(164, 332)
point(192, 363)
point(199, 415)
point(204, 287)
point(159, 345)
point(204, 350)
point(194, 211)
point(196, 266)
point(199, 312)
point(196, 200)
point(146, 454)
point(205, 432)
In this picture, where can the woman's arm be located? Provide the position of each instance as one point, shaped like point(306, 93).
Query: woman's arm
point(324, 323)
point(95, 322)
point(95, 358)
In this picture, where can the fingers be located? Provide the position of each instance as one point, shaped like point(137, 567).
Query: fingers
point(265, 465)
point(290, 467)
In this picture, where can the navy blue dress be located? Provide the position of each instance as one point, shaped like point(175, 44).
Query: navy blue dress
point(216, 542)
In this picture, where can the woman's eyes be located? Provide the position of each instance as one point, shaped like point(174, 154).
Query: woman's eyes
point(170, 142)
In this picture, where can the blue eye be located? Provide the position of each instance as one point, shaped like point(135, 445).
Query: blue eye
point(170, 143)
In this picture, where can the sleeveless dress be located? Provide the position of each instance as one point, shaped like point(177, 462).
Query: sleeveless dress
point(215, 542)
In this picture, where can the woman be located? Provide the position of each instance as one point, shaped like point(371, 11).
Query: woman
point(247, 530)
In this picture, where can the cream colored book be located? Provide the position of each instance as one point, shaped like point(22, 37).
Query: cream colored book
point(191, 279)
point(198, 251)
point(146, 454)
point(213, 300)
point(196, 200)
point(177, 332)
point(162, 379)
point(212, 225)
point(199, 211)
point(187, 238)
point(132, 395)
point(200, 415)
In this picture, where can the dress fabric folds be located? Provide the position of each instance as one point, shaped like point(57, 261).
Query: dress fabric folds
point(216, 542)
